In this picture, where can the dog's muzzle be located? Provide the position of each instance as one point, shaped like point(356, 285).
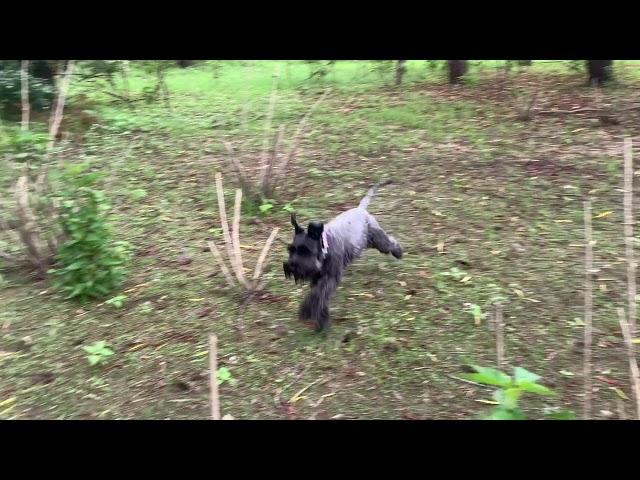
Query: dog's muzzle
point(290, 270)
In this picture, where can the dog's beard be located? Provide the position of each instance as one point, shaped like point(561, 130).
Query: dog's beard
point(300, 278)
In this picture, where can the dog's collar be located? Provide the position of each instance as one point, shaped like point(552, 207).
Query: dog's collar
point(325, 244)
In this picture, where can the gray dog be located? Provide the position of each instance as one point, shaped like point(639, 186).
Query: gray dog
point(322, 252)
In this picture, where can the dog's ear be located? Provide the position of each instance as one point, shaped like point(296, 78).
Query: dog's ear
point(294, 222)
point(315, 229)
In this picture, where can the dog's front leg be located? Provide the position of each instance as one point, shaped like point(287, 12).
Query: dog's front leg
point(315, 306)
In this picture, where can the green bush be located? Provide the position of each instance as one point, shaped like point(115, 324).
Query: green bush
point(23, 145)
point(511, 390)
point(89, 264)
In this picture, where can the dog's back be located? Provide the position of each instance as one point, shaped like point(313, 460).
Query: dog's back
point(348, 232)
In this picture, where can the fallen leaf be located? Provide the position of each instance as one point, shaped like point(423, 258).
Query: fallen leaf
point(326, 395)
point(342, 416)
point(465, 279)
point(7, 410)
point(137, 347)
point(7, 401)
point(297, 395)
point(519, 293)
point(620, 393)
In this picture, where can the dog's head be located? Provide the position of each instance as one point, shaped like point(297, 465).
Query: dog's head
point(306, 252)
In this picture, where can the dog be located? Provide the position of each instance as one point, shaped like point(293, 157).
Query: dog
point(320, 254)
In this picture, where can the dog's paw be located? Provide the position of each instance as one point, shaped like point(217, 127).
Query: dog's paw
point(397, 252)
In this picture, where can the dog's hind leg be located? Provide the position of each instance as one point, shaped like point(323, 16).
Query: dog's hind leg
point(379, 239)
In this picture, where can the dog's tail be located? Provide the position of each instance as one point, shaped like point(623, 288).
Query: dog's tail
point(364, 203)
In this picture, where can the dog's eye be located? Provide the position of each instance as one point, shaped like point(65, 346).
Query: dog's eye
point(291, 249)
point(302, 250)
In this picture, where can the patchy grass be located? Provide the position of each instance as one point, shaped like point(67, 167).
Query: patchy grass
point(482, 204)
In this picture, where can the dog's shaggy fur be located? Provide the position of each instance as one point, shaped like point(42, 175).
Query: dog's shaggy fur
point(322, 252)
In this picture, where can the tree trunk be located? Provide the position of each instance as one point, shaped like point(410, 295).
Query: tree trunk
point(24, 94)
point(400, 69)
point(599, 71)
point(524, 63)
point(457, 70)
point(186, 63)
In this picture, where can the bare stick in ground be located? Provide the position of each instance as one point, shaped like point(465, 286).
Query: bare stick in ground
point(588, 310)
point(263, 254)
point(27, 225)
point(628, 233)
point(499, 337)
point(220, 261)
point(631, 356)
point(298, 137)
point(56, 117)
point(232, 243)
point(24, 94)
point(267, 181)
point(213, 377)
point(237, 253)
point(239, 169)
point(224, 223)
point(264, 159)
point(270, 172)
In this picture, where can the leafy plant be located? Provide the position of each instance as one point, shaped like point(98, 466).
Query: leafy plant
point(265, 207)
point(98, 352)
point(88, 264)
point(117, 301)
point(23, 145)
point(320, 68)
point(512, 388)
point(476, 311)
point(287, 208)
point(576, 66)
point(224, 375)
point(138, 194)
point(454, 273)
point(383, 68)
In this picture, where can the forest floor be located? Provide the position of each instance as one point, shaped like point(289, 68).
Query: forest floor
point(483, 204)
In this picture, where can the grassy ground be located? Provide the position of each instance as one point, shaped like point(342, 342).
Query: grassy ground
point(483, 205)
